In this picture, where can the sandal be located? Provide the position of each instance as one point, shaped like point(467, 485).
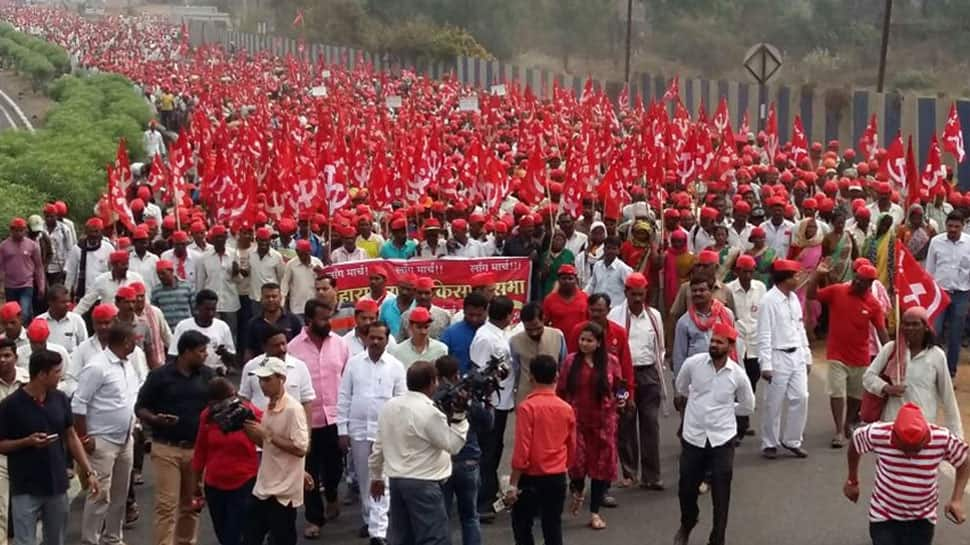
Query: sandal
point(596, 522)
point(576, 504)
point(838, 441)
point(626, 483)
point(312, 531)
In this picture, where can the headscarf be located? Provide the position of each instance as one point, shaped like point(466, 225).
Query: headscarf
point(800, 238)
point(896, 366)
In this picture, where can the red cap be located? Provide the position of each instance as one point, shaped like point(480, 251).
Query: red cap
point(399, 223)
point(287, 226)
point(137, 205)
point(141, 233)
point(431, 224)
point(883, 188)
point(482, 280)
point(501, 227)
point(862, 212)
point(125, 293)
point(708, 257)
point(217, 231)
point(123, 243)
point(50, 209)
point(476, 218)
point(303, 245)
point(709, 213)
point(104, 312)
point(527, 221)
point(197, 227)
point(61, 207)
point(742, 207)
point(757, 232)
point(745, 263)
point(910, 428)
point(38, 331)
point(678, 235)
point(118, 256)
point(168, 222)
point(810, 204)
point(180, 237)
point(366, 305)
point(378, 270)
point(164, 265)
point(419, 315)
point(264, 233)
point(459, 225)
point(424, 283)
point(144, 193)
point(138, 287)
point(787, 265)
point(9, 310)
point(407, 279)
point(636, 281)
point(867, 272)
point(566, 269)
point(671, 214)
point(725, 331)
point(18, 223)
point(95, 223)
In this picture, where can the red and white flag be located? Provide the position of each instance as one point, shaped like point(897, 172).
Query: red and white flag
point(673, 90)
point(799, 143)
point(771, 131)
point(934, 173)
point(869, 142)
point(894, 165)
point(916, 287)
point(953, 135)
point(298, 20)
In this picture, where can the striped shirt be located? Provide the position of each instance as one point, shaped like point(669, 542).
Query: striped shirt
point(175, 302)
point(906, 488)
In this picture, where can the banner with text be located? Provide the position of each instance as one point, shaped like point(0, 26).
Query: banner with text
point(451, 277)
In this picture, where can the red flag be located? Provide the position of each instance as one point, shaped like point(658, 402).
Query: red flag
point(953, 135)
point(298, 20)
point(869, 142)
point(722, 118)
point(624, 98)
point(934, 173)
point(893, 166)
point(673, 90)
point(799, 144)
point(123, 166)
point(916, 287)
point(745, 128)
point(534, 184)
point(771, 130)
point(914, 185)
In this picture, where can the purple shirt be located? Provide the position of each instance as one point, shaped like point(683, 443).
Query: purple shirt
point(22, 266)
point(325, 364)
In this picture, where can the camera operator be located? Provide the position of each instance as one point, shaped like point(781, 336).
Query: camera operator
point(229, 462)
point(171, 401)
point(491, 343)
point(465, 477)
point(412, 449)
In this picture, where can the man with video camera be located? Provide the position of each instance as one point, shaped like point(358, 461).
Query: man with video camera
point(466, 477)
point(413, 448)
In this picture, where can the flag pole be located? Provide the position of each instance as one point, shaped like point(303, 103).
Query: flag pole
point(899, 346)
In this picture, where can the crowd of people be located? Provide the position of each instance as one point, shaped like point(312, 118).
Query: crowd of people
point(203, 328)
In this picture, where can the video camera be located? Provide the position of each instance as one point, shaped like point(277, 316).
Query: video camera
point(479, 384)
point(230, 414)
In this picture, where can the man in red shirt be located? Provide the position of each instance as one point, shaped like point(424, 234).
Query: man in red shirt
point(853, 310)
point(545, 442)
point(566, 306)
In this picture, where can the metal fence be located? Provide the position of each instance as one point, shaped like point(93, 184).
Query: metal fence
point(827, 113)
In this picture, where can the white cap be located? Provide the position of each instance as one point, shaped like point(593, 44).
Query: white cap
point(268, 367)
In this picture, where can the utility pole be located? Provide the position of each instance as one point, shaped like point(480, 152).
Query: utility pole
point(884, 50)
point(629, 31)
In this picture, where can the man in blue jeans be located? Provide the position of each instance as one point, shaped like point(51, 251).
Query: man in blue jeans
point(22, 271)
point(948, 261)
point(466, 477)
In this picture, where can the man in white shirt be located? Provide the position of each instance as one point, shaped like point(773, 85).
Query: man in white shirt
point(141, 260)
point(299, 276)
point(38, 333)
point(370, 379)
point(491, 342)
point(575, 241)
point(61, 243)
point(104, 417)
point(412, 450)
point(639, 443)
point(153, 142)
point(778, 230)
point(419, 346)
point(106, 285)
point(348, 250)
point(182, 258)
point(102, 318)
point(67, 328)
point(266, 265)
point(217, 270)
point(885, 205)
point(785, 359)
point(948, 261)
point(87, 259)
point(222, 347)
point(365, 313)
point(740, 230)
point(298, 382)
point(610, 273)
point(712, 390)
point(461, 245)
point(748, 293)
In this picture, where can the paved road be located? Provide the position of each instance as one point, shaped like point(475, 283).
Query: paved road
point(788, 501)
point(11, 116)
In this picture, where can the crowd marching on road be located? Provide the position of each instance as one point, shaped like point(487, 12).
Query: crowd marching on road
point(194, 316)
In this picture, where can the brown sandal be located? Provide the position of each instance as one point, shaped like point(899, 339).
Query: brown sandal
point(312, 531)
point(576, 504)
point(596, 522)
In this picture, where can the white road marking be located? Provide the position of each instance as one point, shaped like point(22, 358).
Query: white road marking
point(18, 111)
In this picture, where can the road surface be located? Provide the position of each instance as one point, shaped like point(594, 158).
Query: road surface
point(787, 501)
point(12, 115)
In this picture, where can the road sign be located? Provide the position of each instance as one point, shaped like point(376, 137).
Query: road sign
point(762, 61)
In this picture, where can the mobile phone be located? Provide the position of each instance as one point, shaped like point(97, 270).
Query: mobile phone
point(950, 516)
point(52, 436)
